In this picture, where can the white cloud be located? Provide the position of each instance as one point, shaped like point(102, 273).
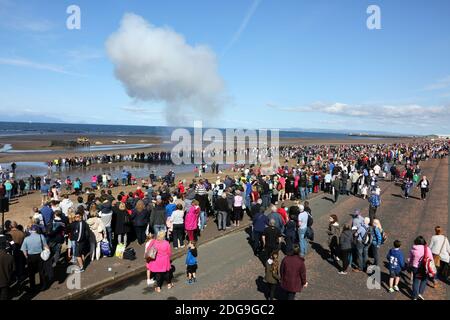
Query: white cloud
point(20, 62)
point(382, 114)
point(19, 17)
point(156, 64)
point(251, 11)
point(443, 83)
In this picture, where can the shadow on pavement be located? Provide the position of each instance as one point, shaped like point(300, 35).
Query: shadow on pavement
point(264, 288)
point(328, 199)
point(401, 196)
point(325, 254)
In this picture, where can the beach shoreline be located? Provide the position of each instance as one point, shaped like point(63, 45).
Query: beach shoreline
point(29, 143)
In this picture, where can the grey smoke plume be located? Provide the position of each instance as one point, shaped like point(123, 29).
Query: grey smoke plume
point(156, 64)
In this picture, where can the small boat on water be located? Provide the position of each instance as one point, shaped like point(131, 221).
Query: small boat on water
point(118, 142)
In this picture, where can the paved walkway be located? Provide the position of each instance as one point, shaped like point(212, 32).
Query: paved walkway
point(228, 269)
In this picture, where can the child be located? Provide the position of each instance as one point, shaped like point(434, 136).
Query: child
point(148, 243)
point(191, 263)
point(396, 264)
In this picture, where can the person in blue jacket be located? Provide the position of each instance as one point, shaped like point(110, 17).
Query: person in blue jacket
point(396, 263)
point(260, 221)
point(377, 240)
point(191, 263)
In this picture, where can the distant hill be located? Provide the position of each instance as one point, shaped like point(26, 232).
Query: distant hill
point(29, 118)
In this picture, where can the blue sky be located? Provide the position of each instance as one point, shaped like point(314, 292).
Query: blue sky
point(284, 64)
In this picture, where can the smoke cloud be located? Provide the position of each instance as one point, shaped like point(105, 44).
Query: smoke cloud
point(157, 65)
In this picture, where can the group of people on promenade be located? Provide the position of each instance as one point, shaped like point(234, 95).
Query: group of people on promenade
point(171, 215)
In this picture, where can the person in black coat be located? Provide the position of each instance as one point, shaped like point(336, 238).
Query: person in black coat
point(158, 217)
point(345, 247)
point(121, 223)
point(7, 268)
point(140, 218)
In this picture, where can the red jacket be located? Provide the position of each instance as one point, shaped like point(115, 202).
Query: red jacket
point(140, 194)
point(293, 273)
point(283, 215)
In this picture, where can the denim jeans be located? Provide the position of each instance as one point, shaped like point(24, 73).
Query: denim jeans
point(256, 240)
point(109, 235)
point(157, 228)
point(222, 219)
point(202, 220)
point(303, 193)
point(419, 285)
point(55, 249)
point(303, 242)
point(362, 255)
point(265, 200)
point(8, 194)
point(247, 202)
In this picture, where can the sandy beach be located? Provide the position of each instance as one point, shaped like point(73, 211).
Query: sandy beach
point(44, 142)
point(21, 208)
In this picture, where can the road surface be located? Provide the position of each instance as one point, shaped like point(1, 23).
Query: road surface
point(229, 270)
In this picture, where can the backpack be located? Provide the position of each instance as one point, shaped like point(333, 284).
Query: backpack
point(367, 239)
point(129, 254)
point(374, 200)
point(310, 220)
point(309, 234)
point(427, 267)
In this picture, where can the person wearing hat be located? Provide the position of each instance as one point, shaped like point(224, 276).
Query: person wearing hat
point(7, 268)
point(32, 247)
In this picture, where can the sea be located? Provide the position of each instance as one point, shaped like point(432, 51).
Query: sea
point(24, 169)
point(26, 128)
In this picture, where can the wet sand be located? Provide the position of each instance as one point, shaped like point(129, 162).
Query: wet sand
point(43, 142)
point(20, 209)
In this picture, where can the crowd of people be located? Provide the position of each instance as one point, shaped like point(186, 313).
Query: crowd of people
point(170, 215)
point(86, 161)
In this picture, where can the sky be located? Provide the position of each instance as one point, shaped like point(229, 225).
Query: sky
point(236, 63)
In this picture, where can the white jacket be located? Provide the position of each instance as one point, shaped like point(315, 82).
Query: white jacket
point(438, 247)
point(65, 205)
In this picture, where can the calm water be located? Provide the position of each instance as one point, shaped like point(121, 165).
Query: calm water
point(21, 128)
point(139, 170)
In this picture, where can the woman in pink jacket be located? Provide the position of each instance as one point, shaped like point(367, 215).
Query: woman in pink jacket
point(160, 266)
point(418, 251)
point(191, 220)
